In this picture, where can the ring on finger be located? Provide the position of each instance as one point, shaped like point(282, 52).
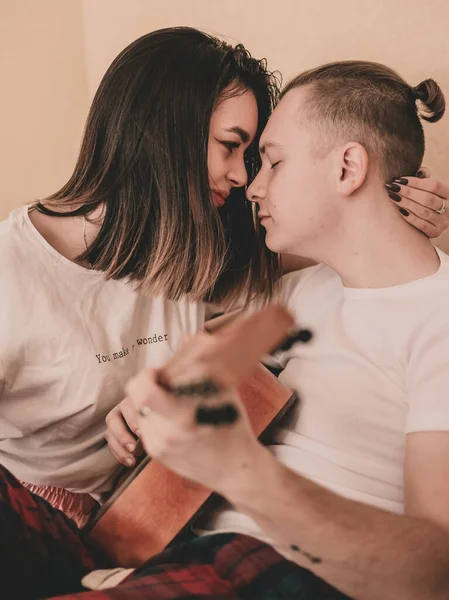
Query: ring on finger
point(441, 210)
point(144, 411)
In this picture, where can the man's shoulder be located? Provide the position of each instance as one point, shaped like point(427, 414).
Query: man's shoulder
point(313, 281)
point(426, 309)
point(430, 295)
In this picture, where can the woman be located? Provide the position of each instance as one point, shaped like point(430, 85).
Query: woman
point(153, 220)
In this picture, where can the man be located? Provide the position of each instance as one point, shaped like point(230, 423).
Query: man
point(370, 514)
point(355, 488)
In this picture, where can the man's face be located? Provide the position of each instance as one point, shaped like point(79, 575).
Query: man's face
point(295, 188)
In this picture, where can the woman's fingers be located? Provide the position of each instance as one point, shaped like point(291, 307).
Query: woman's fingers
point(427, 192)
point(120, 454)
point(419, 200)
point(120, 439)
point(130, 416)
point(427, 228)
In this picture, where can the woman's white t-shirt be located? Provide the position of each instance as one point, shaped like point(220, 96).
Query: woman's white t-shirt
point(69, 342)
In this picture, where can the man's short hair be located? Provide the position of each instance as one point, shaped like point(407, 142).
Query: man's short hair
point(369, 103)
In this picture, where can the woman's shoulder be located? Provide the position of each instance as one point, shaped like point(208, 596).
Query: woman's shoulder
point(13, 240)
point(19, 264)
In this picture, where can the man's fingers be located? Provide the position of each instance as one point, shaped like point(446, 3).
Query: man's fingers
point(145, 391)
point(230, 355)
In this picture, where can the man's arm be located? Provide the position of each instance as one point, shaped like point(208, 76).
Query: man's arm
point(427, 476)
point(367, 553)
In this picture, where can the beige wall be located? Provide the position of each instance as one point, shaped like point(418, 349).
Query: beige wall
point(43, 98)
point(409, 35)
point(55, 52)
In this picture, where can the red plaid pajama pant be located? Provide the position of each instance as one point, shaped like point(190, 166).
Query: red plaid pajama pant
point(43, 555)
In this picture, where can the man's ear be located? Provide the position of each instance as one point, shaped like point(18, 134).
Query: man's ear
point(353, 168)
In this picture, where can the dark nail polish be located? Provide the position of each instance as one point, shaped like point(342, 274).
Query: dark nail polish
point(402, 181)
point(207, 387)
point(395, 197)
point(404, 212)
point(394, 187)
point(222, 415)
point(302, 335)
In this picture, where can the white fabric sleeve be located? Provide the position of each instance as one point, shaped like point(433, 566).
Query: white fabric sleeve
point(428, 384)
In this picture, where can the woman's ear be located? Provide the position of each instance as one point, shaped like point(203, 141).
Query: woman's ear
point(353, 168)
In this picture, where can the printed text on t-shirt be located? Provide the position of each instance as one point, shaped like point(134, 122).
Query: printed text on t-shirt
point(154, 339)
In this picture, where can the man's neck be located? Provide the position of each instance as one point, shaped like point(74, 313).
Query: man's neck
point(375, 248)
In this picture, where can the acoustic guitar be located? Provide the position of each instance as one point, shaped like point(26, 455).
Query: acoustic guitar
point(153, 506)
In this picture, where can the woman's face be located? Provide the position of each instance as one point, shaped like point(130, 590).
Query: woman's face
point(232, 129)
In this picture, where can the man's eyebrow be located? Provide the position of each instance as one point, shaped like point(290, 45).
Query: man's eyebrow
point(263, 148)
point(244, 135)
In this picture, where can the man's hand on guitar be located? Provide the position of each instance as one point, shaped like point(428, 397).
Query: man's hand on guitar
point(191, 417)
point(208, 454)
point(122, 423)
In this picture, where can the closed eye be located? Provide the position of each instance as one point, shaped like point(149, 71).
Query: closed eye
point(275, 164)
point(230, 146)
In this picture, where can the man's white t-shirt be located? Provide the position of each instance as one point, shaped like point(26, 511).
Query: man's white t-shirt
point(376, 370)
point(69, 342)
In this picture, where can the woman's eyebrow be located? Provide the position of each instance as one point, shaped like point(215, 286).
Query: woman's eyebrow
point(244, 135)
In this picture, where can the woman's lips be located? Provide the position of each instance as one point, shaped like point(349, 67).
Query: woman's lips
point(219, 197)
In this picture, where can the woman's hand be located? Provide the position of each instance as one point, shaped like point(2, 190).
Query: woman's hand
point(122, 423)
point(419, 199)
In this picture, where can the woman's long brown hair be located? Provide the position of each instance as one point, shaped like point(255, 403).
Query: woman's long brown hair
point(144, 160)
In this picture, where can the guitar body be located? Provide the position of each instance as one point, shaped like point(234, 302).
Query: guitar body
point(154, 505)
